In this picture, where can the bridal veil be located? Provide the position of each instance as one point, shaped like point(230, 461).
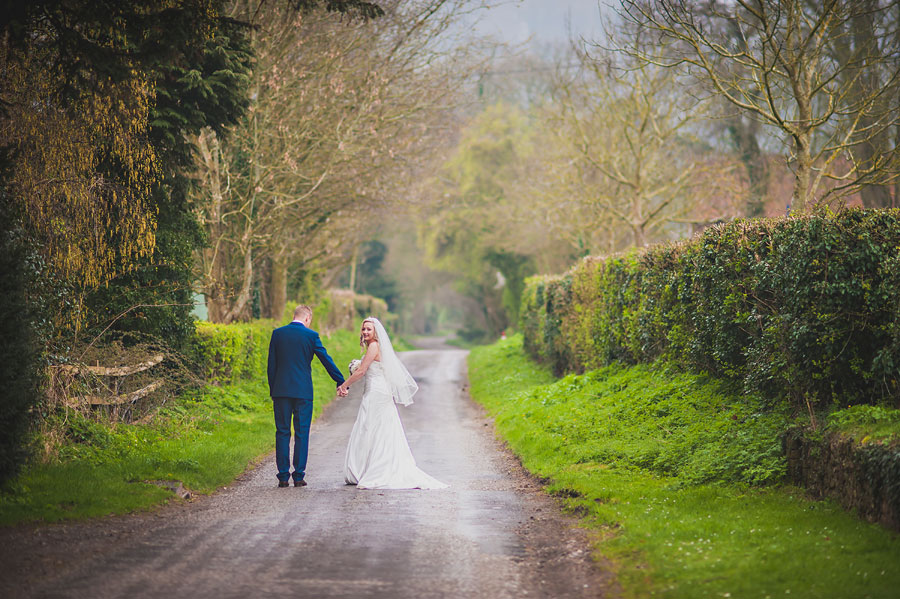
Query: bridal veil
point(401, 383)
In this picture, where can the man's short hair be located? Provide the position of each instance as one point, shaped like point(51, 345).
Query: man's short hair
point(301, 311)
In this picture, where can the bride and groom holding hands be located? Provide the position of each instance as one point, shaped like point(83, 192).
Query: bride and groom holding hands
point(378, 454)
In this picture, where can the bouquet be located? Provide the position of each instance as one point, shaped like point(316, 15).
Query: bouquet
point(354, 364)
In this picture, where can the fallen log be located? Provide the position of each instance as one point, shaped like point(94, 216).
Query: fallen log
point(116, 400)
point(114, 370)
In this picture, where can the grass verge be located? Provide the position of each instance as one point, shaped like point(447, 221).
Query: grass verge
point(867, 423)
point(204, 439)
point(681, 482)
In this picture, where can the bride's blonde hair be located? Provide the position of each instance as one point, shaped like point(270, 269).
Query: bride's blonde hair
point(365, 320)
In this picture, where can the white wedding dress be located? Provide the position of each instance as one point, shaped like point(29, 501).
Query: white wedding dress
point(378, 455)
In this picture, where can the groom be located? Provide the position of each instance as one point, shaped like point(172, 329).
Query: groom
point(291, 352)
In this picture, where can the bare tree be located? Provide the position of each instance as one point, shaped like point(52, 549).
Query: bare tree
point(341, 115)
point(632, 145)
point(824, 74)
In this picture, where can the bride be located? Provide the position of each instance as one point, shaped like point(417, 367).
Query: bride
point(378, 455)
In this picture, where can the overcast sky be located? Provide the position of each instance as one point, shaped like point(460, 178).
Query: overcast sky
point(542, 21)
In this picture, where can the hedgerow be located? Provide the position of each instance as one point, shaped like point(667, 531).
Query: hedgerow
point(227, 353)
point(800, 308)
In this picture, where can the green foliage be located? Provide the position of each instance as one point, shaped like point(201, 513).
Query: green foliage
point(867, 423)
point(543, 303)
point(20, 358)
point(228, 353)
point(617, 445)
point(203, 85)
point(799, 308)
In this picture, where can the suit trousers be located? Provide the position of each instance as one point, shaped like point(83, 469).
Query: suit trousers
point(300, 411)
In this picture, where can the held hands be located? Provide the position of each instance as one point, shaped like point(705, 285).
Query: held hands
point(344, 388)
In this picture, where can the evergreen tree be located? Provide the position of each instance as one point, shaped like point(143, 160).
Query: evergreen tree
point(204, 86)
point(19, 355)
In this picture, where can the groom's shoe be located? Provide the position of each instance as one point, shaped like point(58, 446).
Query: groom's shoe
point(300, 483)
point(284, 483)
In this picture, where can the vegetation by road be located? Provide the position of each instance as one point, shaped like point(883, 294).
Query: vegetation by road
point(681, 481)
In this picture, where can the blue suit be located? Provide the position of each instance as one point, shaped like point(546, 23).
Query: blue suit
point(291, 351)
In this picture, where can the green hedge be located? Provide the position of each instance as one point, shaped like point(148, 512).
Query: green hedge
point(803, 308)
point(227, 353)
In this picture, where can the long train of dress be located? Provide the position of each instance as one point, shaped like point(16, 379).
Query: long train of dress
point(378, 454)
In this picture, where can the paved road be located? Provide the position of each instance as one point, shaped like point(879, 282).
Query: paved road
point(491, 534)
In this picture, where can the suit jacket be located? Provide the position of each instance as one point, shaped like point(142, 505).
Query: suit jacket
point(291, 351)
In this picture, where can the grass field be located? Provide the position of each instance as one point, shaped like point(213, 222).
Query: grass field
point(682, 483)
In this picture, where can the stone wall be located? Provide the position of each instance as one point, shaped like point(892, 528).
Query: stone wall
point(861, 477)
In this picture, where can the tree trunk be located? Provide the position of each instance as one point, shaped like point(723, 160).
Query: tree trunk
point(216, 305)
point(638, 237)
point(803, 194)
point(240, 309)
point(800, 199)
point(215, 300)
point(277, 288)
point(864, 41)
point(743, 136)
point(353, 269)
point(638, 234)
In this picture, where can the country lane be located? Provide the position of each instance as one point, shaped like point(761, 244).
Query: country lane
point(492, 534)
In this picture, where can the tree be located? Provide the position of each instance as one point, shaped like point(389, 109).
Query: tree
point(99, 98)
point(637, 161)
point(79, 168)
point(203, 88)
point(366, 273)
point(341, 115)
point(96, 98)
point(20, 363)
point(823, 74)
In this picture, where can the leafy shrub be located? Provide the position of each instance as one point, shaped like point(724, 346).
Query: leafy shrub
point(227, 353)
point(802, 308)
point(876, 423)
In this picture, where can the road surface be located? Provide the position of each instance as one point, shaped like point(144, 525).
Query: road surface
point(492, 534)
